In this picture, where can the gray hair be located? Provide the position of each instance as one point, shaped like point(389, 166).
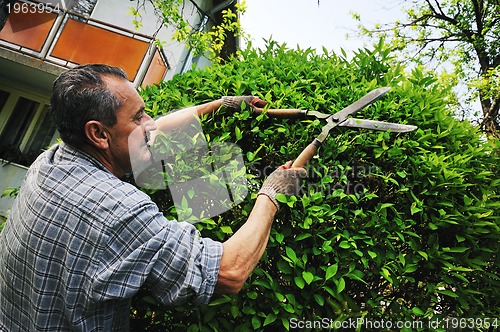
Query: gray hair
point(80, 95)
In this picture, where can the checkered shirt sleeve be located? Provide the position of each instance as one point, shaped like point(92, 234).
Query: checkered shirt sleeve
point(79, 243)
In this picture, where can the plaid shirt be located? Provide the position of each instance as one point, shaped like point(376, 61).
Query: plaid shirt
point(79, 243)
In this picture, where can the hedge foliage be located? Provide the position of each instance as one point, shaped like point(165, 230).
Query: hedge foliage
point(388, 226)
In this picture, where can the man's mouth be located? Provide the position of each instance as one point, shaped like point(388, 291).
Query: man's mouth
point(147, 137)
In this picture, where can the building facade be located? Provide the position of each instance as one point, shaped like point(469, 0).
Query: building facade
point(41, 39)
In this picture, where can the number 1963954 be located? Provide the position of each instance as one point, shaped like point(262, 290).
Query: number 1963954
point(31, 8)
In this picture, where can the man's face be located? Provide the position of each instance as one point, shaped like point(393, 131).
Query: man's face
point(128, 139)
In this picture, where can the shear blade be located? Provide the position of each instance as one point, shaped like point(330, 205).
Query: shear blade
point(377, 125)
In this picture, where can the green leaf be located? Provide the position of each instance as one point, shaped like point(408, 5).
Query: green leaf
point(340, 285)
point(299, 281)
point(417, 311)
point(308, 277)
point(456, 249)
point(331, 271)
point(423, 254)
point(184, 203)
point(270, 318)
point(401, 174)
point(461, 269)
point(256, 322)
point(386, 205)
point(447, 293)
point(238, 133)
point(319, 299)
point(235, 311)
point(303, 236)
point(411, 268)
point(344, 245)
point(248, 311)
point(219, 301)
point(281, 198)
point(279, 237)
point(252, 295)
point(414, 209)
point(402, 259)
point(286, 323)
point(250, 156)
point(291, 254)
point(386, 274)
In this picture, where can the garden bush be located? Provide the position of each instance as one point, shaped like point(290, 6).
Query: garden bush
point(388, 226)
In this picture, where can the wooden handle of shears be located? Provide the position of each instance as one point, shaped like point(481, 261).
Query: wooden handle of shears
point(307, 154)
point(283, 113)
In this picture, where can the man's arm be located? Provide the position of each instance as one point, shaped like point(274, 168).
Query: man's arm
point(184, 116)
point(178, 118)
point(243, 250)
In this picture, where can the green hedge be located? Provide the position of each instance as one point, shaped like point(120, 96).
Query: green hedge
point(389, 226)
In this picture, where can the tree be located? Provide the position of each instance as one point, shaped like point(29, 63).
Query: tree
point(197, 38)
point(462, 33)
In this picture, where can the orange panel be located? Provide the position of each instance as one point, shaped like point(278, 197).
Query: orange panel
point(28, 29)
point(82, 43)
point(156, 70)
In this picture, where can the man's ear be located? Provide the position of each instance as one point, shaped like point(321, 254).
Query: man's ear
point(97, 134)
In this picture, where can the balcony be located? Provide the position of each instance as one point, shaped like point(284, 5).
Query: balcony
point(65, 39)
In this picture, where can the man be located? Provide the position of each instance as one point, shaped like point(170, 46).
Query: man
point(80, 242)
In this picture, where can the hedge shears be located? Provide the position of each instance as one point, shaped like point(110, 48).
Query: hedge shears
point(339, 119)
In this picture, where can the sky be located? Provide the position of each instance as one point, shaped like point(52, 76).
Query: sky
point(307, 24)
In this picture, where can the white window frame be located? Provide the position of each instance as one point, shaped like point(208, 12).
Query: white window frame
point(8, 109)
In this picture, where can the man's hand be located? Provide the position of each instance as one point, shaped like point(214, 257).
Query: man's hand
point(234, 102)
point(284, 180)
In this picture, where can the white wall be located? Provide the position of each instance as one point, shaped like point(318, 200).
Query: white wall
point(12, 176)
point(116, 12)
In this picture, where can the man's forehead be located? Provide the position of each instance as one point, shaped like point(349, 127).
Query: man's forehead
point(114, 81)
point(121, 87)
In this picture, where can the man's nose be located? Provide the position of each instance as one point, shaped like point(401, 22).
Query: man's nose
point(148, 123)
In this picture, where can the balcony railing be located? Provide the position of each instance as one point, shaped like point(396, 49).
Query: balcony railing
point(61, 37)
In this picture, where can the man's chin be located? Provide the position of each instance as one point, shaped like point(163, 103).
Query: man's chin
point(141, 159)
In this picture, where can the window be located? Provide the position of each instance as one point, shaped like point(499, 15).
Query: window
point(25, 127)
